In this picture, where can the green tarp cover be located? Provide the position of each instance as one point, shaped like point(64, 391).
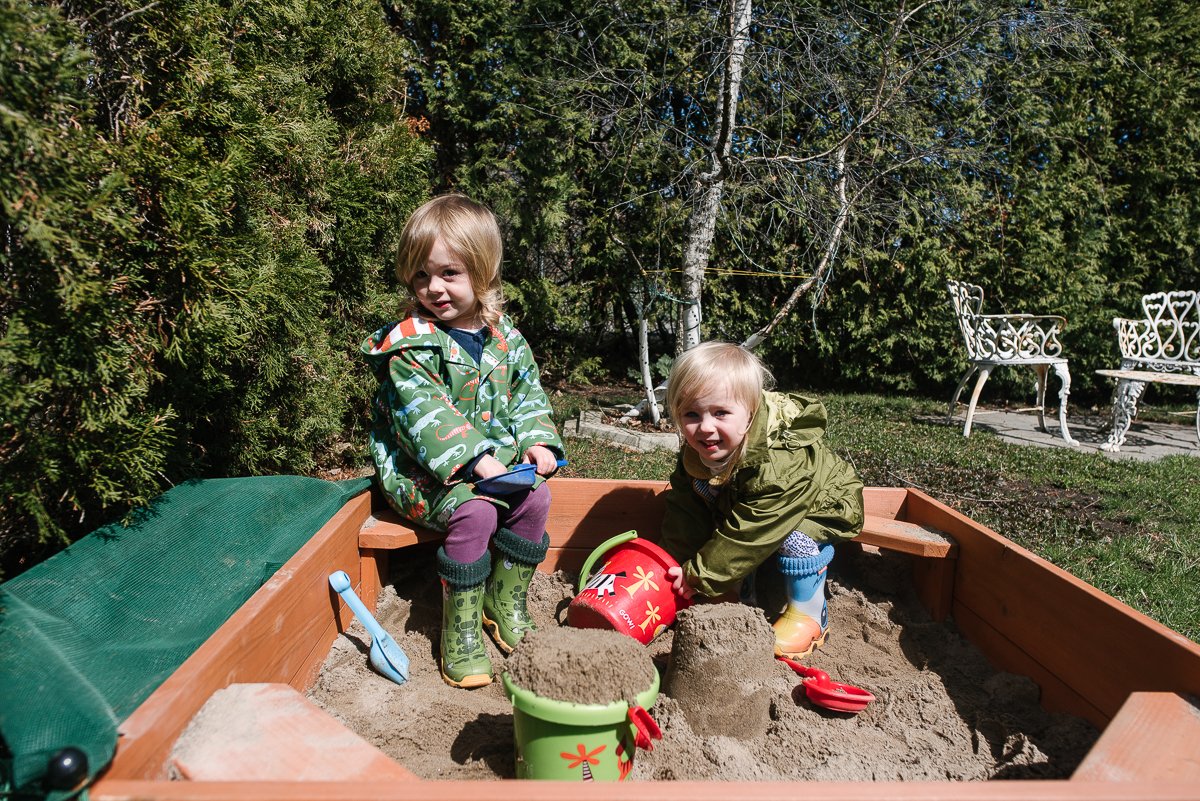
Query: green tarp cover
point(88, 634)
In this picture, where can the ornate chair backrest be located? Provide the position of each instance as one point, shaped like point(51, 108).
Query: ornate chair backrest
point(1168, 333)
point(1174, 319)
point(1003, 338)
point(967, 300)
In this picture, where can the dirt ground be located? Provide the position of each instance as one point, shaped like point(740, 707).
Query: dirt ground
point(941, 713)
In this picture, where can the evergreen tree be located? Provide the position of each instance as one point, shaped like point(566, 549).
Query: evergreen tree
point(210, 198)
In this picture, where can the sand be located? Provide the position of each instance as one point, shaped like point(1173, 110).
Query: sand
point(581, 666)
point(729, 711)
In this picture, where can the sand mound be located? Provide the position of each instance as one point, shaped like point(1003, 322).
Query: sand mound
point(582, 666)
point(729, 711)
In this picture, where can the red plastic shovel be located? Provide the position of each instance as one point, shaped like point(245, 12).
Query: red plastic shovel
point(645, 729)
point(822, 691)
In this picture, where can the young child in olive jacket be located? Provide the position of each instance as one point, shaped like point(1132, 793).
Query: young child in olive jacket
point(459, 401)
point(755, 479)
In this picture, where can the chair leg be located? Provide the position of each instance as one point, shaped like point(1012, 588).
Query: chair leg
point(1124, 409)
point(954, 401)
point(1064, 376)
point(1041, 370)
point(984, 372)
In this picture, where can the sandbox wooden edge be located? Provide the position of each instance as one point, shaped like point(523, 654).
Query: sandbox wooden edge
point(1087, 651)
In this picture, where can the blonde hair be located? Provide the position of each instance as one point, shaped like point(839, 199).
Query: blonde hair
point(717, 364)
point(470, 230)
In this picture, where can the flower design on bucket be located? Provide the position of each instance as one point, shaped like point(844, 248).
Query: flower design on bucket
point(584, 757)
point(653, 615)
point(643, 581)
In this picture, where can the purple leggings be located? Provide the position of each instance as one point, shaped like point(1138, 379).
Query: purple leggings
point(472, 525)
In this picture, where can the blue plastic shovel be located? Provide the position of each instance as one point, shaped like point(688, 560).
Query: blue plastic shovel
point(518, 477)
point(386, 656)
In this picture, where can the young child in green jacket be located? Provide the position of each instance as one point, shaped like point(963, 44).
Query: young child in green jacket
point(755, 479)
point(459, 401)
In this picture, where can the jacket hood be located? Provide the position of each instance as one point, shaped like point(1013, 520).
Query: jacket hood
point(785, 420)
point(413, 331)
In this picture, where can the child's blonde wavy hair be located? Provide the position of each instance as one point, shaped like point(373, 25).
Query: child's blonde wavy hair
point(717, 364)
point(471, 232)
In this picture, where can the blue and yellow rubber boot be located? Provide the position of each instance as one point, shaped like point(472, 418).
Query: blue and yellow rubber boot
point(805, 621)
point(505, 615)
point(463, 652)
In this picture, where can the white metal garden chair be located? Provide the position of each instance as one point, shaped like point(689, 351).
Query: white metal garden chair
point(1029, 340)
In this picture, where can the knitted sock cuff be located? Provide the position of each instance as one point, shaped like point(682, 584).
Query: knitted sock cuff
point(799, 545)
point(806, 565)
point(519, 549)
point(463, 574)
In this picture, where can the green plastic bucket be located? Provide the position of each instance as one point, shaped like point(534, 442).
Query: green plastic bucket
point(563, 741)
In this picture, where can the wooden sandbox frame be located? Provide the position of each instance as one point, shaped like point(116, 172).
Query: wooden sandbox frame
point(1092, 656)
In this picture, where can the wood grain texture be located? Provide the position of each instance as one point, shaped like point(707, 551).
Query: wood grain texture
point(644, 791)
point(1154, 737)
point(1100, 648)
point(1087, 651)
point(271, 732)
point(281, 633)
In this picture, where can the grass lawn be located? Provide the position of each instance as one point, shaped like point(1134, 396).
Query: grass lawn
point(1130, 528)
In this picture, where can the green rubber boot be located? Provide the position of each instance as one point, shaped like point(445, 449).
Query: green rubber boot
point(464, 658)
point(505, 614)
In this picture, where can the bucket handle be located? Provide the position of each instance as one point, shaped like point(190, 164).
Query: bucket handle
point(585, 573)
point(645, 729)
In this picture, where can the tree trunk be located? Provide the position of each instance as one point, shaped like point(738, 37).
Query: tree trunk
point(710, 185)
point(644, 362)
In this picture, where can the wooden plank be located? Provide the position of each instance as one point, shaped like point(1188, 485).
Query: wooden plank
point(934, 583)
point(612, 507)
point(643, 791)
point(898, 535)
point(372, 573)
point(276, 635)
point(1099, 647)
point(389, 531)
point(585, 512)
point(306, 673)
point(386, 530)
point(1154, 737)
point(582, 510)
point(1056, 694)
point(1181, 379)
point(885, 502)
point(271, 732)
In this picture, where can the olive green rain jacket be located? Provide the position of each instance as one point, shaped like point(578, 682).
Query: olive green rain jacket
point(788, 480)
point(437, 409)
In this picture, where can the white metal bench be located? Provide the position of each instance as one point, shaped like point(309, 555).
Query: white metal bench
point(992, 340)
point(1163, 347)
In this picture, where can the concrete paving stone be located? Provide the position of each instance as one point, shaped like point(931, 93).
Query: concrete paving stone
point(591, 424)
point(1144, 442)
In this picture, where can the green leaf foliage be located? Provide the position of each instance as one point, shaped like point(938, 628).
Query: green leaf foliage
point(1044, 152)
point(202, 200)
point(198, 232)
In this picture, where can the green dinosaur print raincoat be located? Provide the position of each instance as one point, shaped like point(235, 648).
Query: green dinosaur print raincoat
point(437, 409)
point(788, 479)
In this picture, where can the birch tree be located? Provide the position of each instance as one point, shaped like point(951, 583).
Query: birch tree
point(800, 129)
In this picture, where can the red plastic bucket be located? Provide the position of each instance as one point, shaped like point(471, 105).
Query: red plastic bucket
point(630, 593)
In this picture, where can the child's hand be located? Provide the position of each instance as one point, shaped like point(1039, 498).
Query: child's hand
point(679, 583)
point(543, 457)
point(489, 466)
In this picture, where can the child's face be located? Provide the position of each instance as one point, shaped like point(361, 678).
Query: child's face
point(444, 288)
point(714, 425)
